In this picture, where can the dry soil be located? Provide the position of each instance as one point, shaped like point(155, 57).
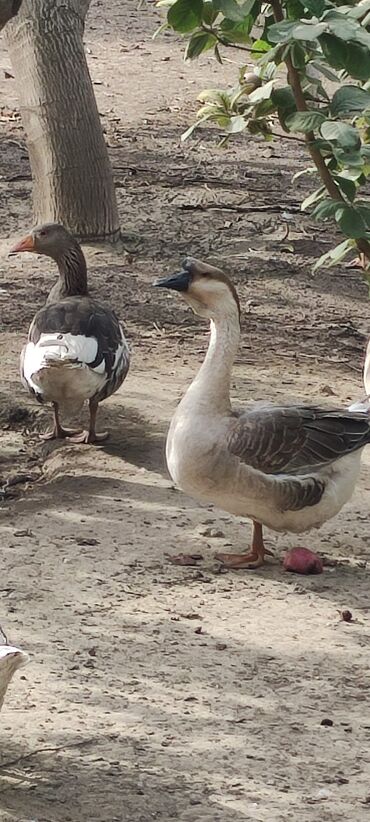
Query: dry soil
point(155, 691)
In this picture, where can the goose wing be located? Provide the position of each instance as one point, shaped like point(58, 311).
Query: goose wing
point(294, 439)
point(293, 443)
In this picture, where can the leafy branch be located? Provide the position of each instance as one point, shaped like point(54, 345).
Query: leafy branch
point(316, 41)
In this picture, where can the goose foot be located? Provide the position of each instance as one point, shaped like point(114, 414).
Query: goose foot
point(237, 561)
point(254, 559)
point(89, 436)
point(184, 559)
point(59, 433)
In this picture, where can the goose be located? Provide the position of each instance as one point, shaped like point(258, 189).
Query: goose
point(76, 348)
point(288, 467)
point(11, 659)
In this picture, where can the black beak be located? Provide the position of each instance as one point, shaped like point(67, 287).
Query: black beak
point(178, 282)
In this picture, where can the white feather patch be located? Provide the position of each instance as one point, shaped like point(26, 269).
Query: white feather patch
point(58, 367)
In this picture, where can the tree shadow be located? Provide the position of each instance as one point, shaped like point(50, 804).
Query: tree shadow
point(192, 731)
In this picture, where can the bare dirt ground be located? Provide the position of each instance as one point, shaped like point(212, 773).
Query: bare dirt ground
point(153, 691)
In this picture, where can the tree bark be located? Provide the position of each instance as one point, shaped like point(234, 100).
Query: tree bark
point(8, 9)
point(72, 176)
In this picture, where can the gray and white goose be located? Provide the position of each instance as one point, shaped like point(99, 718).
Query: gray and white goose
point(76, 349)
point(290, 468)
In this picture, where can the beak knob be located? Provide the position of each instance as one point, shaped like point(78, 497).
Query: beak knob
point(176, 282)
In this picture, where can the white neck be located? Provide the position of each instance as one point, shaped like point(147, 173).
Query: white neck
point(211, 387)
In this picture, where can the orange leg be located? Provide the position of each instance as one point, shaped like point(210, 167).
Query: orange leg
point(252, 560)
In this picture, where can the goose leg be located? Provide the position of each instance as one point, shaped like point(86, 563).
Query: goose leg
point(58, 432)
point(252, 560)
point(90, 435)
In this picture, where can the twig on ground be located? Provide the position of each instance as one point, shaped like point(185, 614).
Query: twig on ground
point(79, 744)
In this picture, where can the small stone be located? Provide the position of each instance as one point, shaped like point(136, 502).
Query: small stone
point(214, 533)
point(346, 616)
point(221, 646)
point(328, 723)
point(328, 391)
point(323, 793)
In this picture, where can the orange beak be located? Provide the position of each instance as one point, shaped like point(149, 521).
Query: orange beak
point(27, 244)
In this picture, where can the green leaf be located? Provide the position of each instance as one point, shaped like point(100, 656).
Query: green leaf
point(359, 10)
point(341, 26)
point(347, 186)
point(311, 170)
point(298, 56)
point(349, 100)
point(209, 13)
point(353, 57)
point(313, 198)
point(236, 125)
point(335, 255)
point(323, 69)
point(186, 134)
point(334, 50)
point(285, 31)
point(262, 93)
point(237, 32)
point(230, 9)
point(364, 208)
point(185, 15)
point(308, 31)
point(315, 7)
point(305, 121)
point(347, 158)
point(357, 62)
point(160, 30)
point(249, 5)
point(335, 132)
point(260, 46)
point(327, 208)
point(199, 42)
point(351, 173)
point(283, 99)
point(280, 32)
point(351, 222)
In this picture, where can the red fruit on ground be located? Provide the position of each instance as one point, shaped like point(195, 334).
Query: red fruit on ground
point(302, 561)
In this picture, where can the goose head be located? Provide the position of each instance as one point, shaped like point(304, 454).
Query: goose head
point(205, 288)
point(50, 239)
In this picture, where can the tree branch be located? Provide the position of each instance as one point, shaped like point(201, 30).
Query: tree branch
point(226, 43)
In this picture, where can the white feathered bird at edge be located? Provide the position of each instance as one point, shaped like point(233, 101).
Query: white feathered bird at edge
point(11, 659)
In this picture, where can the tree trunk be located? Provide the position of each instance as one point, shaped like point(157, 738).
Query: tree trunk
point(72, 177)
point(8, 9)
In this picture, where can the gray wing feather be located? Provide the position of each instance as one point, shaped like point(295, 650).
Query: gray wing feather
point(294, 442)
point(291, 439)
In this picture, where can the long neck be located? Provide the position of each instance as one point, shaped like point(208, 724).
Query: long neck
point(211, 387)
point(72, 274)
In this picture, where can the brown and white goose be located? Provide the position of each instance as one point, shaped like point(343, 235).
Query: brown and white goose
point(76, 347)
point(290, 468)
